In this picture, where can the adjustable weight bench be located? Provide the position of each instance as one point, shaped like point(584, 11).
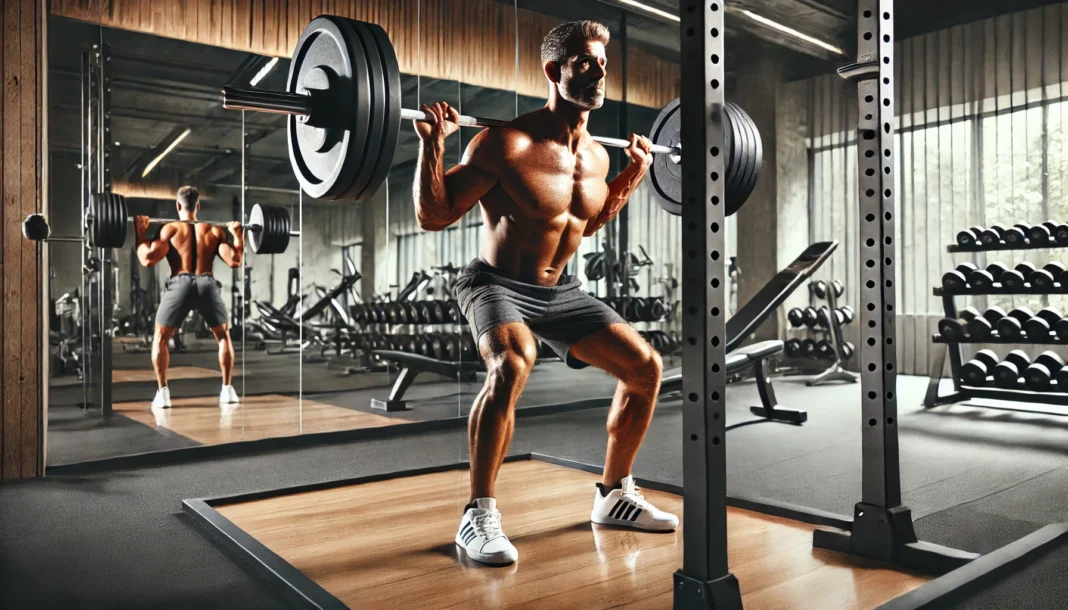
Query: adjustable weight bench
point(750, 317)
point(413, 365)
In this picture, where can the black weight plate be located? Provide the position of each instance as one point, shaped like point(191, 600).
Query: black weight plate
point(326, 162)
point(666, 175)
point(122, 215)
point(283, 229)
point(754, 152)
point(391, 134)
point(366, 52)
point(737, 141)
point(96, 209)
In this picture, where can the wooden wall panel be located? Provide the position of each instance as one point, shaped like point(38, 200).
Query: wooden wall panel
point(21, 326)
point(471, 41)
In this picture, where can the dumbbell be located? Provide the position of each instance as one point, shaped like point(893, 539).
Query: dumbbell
point(468, 350)
point(838, 288)
point(825, 350)
point(810, 317)
point(809, 348)
point(818, 288)
point(957, 280)
point(795, 317)
point(1015, 279)
point(982, 327)
point(848, 315)
point(969, 237)
point(1060, 235)
point(823, 319)
point(1007, 373)
point(1043, 279)
point(1017, 235)
point(1011, 326)
point(651, 309)
point(1043, 370)
point(992, 235)
point(955, 330)
point(983, 279)
point(975, 371)
point(847, 350)
point(793, 348)
point(1041, 234)
point(1039, 327)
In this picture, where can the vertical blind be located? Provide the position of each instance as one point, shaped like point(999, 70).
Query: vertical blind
point(981, 139)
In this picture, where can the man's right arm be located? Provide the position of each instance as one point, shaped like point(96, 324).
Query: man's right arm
point(442, 198)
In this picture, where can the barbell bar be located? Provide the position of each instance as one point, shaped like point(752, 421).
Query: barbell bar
point(107, 226)
point(301, 105)
point(343, 101)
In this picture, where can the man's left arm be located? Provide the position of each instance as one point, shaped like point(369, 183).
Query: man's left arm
point(151, 251)
point(624, 184)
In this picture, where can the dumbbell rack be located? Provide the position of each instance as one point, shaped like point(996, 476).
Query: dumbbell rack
point(836, 372)
point(962, 392)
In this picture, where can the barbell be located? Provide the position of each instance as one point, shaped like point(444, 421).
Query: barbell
point(107, 225)
point(343, 98)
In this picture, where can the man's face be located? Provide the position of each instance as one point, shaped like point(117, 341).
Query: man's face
point(582, 77)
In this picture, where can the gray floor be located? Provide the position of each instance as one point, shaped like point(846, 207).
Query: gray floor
point(976, 479)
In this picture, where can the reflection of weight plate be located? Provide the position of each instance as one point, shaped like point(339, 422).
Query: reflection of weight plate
point(109, 220)
point(273, 236)
point(328, 155)
point(742, 163)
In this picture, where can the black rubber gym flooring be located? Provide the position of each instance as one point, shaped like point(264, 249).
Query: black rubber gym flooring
point(975, 479)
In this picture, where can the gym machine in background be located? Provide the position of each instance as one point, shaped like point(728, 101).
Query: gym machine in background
point(1012, 377)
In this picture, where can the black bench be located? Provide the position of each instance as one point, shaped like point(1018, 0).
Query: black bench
point(750, 317)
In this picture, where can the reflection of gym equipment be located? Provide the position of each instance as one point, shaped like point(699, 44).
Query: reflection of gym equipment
point(107, 219)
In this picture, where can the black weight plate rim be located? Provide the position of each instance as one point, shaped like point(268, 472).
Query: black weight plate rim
point(737, 163)
point(391, 133)
point(100, 219)
point(741, 192)
point(95, 209)
point(268, 228)
point(734, 165)
point(747, 163)
point(376, 122)
point(270, 245)
point(285, 223)
point(109, 235)
point(352, 142)
point(758, 153)
point(666, 202)
point(121, 224)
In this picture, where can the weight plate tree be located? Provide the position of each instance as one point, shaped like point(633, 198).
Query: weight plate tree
point(343, 96)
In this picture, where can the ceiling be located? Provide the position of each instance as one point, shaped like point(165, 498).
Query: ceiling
point(161, 87)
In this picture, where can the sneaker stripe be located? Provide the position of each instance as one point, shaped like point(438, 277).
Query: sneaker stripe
point(626, 513)
point(618, 510)
point(468, 537)
point(612, 513)
point(634, 517)
point(465, 530)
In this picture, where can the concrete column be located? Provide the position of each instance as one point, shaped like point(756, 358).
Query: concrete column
point(759, 83)
point(792, 178)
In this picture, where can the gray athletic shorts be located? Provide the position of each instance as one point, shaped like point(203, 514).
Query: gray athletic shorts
point(186, 292)
point(558, 315)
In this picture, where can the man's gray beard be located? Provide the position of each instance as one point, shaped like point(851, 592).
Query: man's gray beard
point(587, 99)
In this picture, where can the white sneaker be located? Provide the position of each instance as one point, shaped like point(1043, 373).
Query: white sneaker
point(228, 395)
point(162, 399)
point(628, 508)
point(481, 537)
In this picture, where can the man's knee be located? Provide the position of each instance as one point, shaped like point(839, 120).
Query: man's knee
point(163, 334)
point(646, 369)
point(222, 333)
point(509, 368)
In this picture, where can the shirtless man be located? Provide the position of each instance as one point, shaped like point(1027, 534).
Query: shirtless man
point(541, 181)
point(190, 248)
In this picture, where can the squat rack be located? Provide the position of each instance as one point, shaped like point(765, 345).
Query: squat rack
point(882, 528)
